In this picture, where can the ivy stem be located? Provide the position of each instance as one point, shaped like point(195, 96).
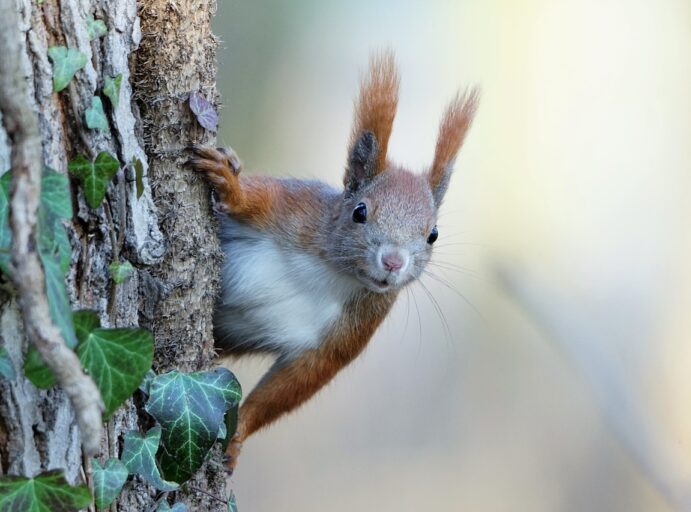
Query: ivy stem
point(195, 489)
point(111, 231)
point(112, 453)
point(116, 259)
point(123, 206)
point(86, 473)
point(82, 130)
point(110, 432)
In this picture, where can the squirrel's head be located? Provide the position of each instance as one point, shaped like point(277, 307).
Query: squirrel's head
point(386, 228)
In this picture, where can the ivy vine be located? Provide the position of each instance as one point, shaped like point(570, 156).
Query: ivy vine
point(191, 411)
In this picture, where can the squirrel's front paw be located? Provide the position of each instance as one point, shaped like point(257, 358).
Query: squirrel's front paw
point(215, 161)
point(232, 454)
point(221, 167)
point(232, 159)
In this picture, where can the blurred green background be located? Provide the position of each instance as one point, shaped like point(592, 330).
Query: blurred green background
point(556, 375)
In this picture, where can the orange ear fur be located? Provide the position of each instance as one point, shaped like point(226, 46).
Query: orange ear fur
point(375, 108)
point(452, 131)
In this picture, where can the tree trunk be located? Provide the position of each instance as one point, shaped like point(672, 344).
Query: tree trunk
point(163, 50)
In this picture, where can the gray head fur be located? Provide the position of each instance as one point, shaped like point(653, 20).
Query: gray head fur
point(401, 213)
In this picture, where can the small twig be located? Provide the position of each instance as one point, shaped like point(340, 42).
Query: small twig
point(88, 477)
point(21, 125)
point(111, 232)
point(110, 432)
point(82, 470)
point(81, 128)
point(112, 453)
point(195, 489)
point(123, 208)
point(116, 259)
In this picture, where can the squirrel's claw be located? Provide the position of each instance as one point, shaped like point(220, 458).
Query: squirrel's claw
point(230, 460)
point(221, 168)
point(212, 160)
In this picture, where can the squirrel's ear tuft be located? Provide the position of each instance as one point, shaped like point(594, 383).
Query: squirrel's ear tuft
point(452, 131)
point(362, 161)
point(375, 110)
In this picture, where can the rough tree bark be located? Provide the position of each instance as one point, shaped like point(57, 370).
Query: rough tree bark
point(164, 50)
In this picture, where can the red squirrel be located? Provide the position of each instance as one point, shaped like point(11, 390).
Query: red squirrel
point(310, 271)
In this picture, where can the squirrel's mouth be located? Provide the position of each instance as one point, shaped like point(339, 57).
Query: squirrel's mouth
point(380, 284)
point(377, 284)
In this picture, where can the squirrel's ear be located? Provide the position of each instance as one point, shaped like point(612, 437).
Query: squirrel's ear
point(452, 131)
point(375, 110)
point(362, 161)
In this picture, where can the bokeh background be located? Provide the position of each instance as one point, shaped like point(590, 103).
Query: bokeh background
point(550, 370)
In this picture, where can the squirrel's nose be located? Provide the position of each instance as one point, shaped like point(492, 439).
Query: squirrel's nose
point(392, 261)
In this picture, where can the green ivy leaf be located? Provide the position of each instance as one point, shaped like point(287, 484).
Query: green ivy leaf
point(6, 366)
point(120, 271)
point(139, 176)
point(230, 425)
point(66, 62)
point(85, 322)
point(58, 301)
point(139, 457)
point(55, 206)
point(94, 176)
point(117, 359)
point(95, 28)
point(95, 116)
point(53, 241)
point(163, 506)
point(46, 492)
point(55, 194)
point(146, 382)
point(223, 433)
point(111, 88)
point(108, 480)
point(190, 408)
point(36, 370)
point(54, 248)
point(232, 503)
point(55, 253)
point(53, 244)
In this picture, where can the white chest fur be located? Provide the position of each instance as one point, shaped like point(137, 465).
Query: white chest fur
point(275, 297)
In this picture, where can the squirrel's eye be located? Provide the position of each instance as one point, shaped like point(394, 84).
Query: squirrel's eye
point(433, 236)
point(360, 213)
